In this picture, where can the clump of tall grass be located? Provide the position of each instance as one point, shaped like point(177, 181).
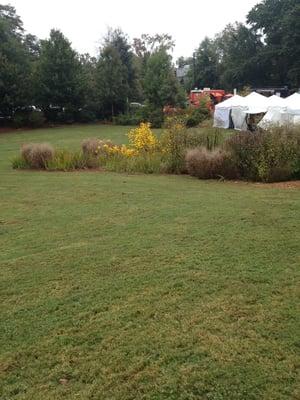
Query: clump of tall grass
point(65, 160)
point(95, 147)
point(37, 155)
point(205, 164)
point(146, 163)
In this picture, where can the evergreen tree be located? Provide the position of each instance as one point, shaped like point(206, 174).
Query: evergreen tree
point(279, 23)
point(15, 63)
point(59, 77)
point(112, 88)
point(119, 41)
point(161, 85)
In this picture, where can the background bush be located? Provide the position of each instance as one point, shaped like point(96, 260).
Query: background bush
point(194, 116)
point(36, 119)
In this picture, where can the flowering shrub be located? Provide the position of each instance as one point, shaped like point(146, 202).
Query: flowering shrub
point(142, 138)
point(119, 150)
point(173, 144)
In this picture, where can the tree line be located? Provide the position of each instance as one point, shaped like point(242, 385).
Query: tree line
point(50, 75)
point(263, 52)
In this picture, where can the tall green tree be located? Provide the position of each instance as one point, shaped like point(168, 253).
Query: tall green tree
point(112, 88)
point(15, 63)
point(279, 23)
point(160, 84)
point(59, 75)
point(144, 47)
point(239, 57)
point(90, 98)
point(203, 70)
point(117, 39)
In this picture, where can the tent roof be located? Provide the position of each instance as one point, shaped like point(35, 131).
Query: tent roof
point(293, 101)
point(234, 101)
point(256, 103)
point(276, 101)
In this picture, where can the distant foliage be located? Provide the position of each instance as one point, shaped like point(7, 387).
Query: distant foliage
point(194, 116)
point(29, 118)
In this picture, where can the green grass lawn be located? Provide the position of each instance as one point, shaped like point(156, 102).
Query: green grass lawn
point(144, 287)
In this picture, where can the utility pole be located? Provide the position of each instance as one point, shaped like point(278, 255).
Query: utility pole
point(194, 69)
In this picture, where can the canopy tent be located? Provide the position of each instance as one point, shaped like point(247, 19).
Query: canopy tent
point(223, 110)
point(292, 100)
point(237, 108)
point(254, 103)
point(278, 111)
point(293, 109)
point(276, 114)
point(276, 101)
point(293, 104)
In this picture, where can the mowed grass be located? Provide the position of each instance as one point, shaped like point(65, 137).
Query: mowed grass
point(145, 287)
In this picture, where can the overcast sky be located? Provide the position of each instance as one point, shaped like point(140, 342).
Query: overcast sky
point(85, 22)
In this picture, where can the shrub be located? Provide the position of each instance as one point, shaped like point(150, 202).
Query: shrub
point(206, 164)
point(150, 114)
point(37, 155)
point(127, 119)
point(194, 116)
point(36, 119)
point(19, 120)
point(266, 156)
point(142, 138)
point(85, 115)
point(174, 142)
point(210, 138)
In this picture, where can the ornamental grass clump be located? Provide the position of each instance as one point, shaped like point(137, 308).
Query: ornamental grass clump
point(206, 164)
point(37, 155)
point(95, 147)
point(65, 160)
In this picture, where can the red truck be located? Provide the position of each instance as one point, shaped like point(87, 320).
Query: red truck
point(211, 96)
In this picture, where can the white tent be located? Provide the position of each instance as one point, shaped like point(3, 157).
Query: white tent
point(276, 101)
point(292, 100)
point(278, 111)
point(293, 104)
point(276, 114)
point(293, 109)
point(254, 103)
point(223, 109)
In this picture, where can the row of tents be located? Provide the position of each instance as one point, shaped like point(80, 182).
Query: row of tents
point(275, 111)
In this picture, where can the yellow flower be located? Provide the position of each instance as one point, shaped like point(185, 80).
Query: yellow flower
point(142, 138)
